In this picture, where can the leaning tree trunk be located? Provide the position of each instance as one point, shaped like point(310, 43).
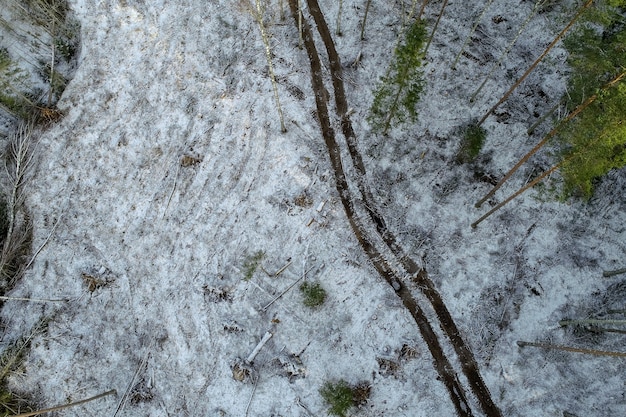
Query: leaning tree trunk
point(535, 181)
point(469, 36)
point(550, 134)
point(537, 61)
point(507, 50)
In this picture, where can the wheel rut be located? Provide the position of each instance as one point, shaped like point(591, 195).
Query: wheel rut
point(418, 276)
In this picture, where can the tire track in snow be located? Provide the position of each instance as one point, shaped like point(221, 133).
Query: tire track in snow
point(469, 365)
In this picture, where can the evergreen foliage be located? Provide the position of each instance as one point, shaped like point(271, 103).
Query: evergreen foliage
point(314, 295)
point(13, 98)
point(595, 142)
point(397, 95)
point(339, 396)
point(251, 263)
point(471, 144)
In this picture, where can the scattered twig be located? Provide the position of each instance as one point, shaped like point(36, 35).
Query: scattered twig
point(367, 8)
point(133, 381)
point(256, 382)
point(608, 274)
point(281, 270)
point(572, 349)
point(267, 336)
point(62, 407)
point(303, 406)
point(50, 92)
point(287, 289)
point(169, 200)
point(591, 321)
point(34, 300)
point(45, 242)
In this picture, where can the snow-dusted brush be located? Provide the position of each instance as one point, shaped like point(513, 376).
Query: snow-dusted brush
point(16, 224)
point(38, 46)
point(257, 10)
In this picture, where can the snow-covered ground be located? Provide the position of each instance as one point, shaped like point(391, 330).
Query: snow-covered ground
point(169, 172)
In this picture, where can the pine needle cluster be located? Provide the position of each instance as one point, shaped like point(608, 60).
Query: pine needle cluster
point(595, 142)
point(341, 396)
point(396, 97)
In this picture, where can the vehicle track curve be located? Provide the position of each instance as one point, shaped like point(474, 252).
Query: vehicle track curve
point(419, 276)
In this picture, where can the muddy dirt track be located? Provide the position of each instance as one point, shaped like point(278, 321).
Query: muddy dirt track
point(380, 245)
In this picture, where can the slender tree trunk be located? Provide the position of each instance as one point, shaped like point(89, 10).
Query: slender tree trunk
point(537, 61)
point(469, 36)
point(258, 15)
point(572, 349)
point(550, 134)
point(507, 50)
point(534, 126)
point(338, 30)
point(281, 9)
point(367, 8)
point(432, 35)
point(591, 321)
point(51, 68)
point(516, 194)
point(533, 182)
point(608, 274)
point(62, 407)
point(419, 15)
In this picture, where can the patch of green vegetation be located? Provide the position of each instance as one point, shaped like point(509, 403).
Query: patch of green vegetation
point(5, 59)
point(471, 143)
point(53, 78)
point(313, 294)
point(67, 46)
point(396, 97)
point(251, 263)
point(50, 31)
point(595, 141)
point(339, 396)
point(12, 85)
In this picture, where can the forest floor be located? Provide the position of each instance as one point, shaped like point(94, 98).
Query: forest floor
point(169, 179)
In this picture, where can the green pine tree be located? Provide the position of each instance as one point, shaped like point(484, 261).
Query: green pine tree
point(396, 97)
point(595, 142)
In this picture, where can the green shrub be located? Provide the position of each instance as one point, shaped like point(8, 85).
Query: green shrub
point(251, 263)
point(595, 141)
point(313, 294)
point(397, 95)
point(339, 396)
point(471, 143)
point(12, 86)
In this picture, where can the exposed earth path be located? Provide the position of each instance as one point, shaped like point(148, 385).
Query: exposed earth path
point(381, 245)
